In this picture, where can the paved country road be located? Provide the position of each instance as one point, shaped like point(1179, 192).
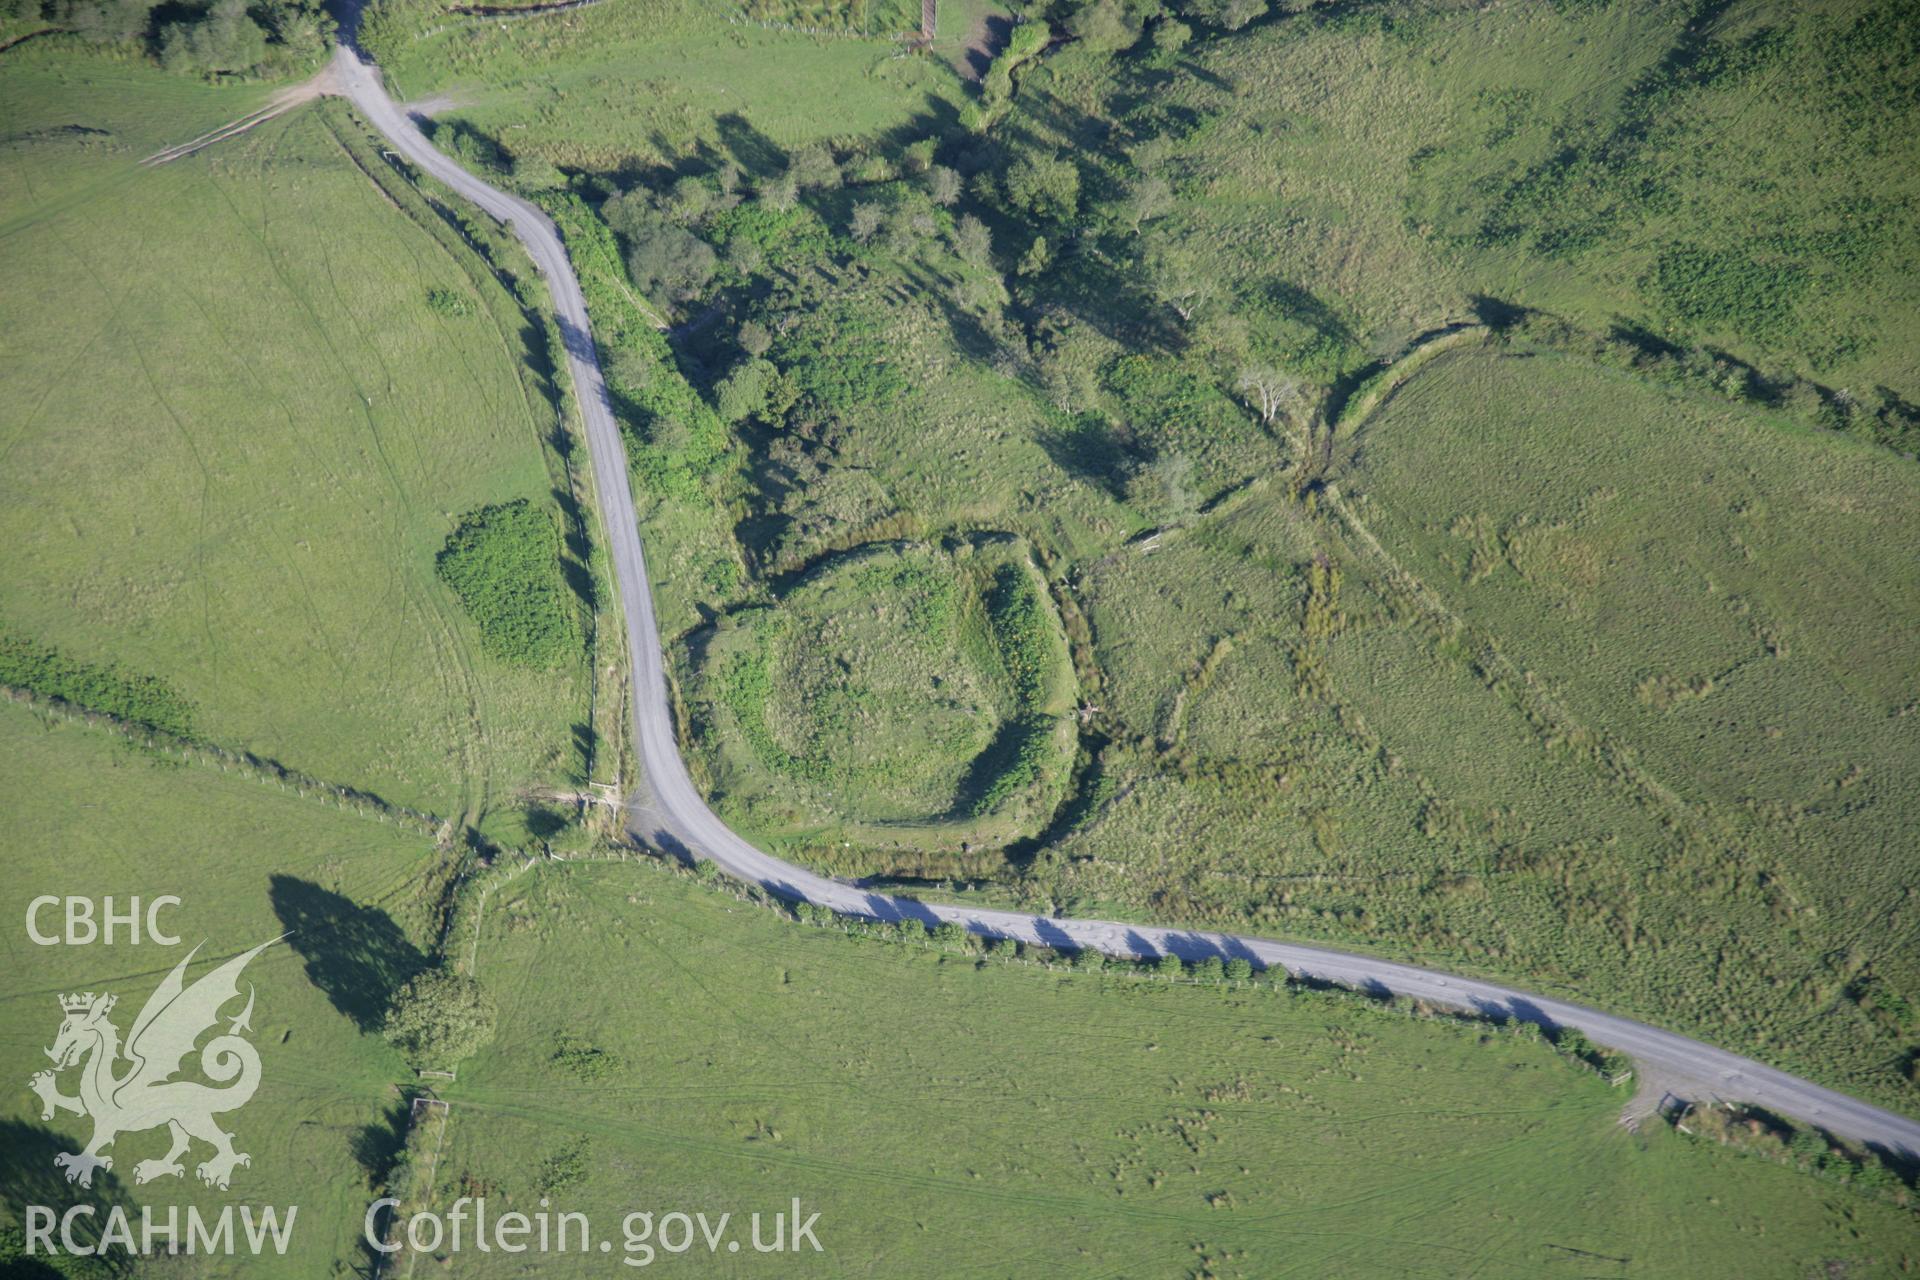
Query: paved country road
point(674, 816)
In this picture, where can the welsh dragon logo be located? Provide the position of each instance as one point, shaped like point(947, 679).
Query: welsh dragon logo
point(144, 1095)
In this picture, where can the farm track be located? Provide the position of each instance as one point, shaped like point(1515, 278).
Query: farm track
point(676, 819)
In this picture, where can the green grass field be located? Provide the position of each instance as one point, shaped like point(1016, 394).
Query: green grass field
point(1721, 172)
point(1629, 726)
point(96, 816)
point(665, 1047)
point(946, 1114)
point(644, 83)
point(238, 435)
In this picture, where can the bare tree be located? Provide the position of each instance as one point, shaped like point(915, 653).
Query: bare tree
point(972, 240)
point(1270, 392)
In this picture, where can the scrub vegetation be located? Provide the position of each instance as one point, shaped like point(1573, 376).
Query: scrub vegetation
point(504, 564)
point(919, 692)
point(1442, 434)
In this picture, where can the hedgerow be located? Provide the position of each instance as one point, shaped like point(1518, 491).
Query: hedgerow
point(27, 664)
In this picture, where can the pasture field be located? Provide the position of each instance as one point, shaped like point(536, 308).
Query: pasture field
point(247, 401)
point(642, 84)
point(95, 816)
point(913, 1096)
point(1630, 726)
point(674, 1053)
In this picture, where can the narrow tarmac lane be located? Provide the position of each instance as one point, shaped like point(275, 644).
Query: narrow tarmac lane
point(674, 816)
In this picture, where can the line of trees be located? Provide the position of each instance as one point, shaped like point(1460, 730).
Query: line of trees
point(218, 37)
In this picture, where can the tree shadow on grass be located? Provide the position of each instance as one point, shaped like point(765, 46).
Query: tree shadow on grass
point(377, 1146)
point(356, 955)
point(28, 1176)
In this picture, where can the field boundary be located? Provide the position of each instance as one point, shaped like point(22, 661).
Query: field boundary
point(211, 755)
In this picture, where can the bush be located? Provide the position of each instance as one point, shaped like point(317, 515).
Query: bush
point(504, 563)
point(438, 1018)
point(743, 393)
point(1046, 188)
point(449, 302)
point(1019, 625)
point(103, 687)
point(841, 360)
point(670, 262)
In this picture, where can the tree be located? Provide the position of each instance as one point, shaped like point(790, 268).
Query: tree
point(690, 199)
point(813, 169)
point(904, 230)
point(1036, 259)
point(438, 1018)
point(1106, 25)
point(1148, 197)
point(1239, 968)
point(972, 241)
point(1165, 489)
point(943, 185)
point(780, 194)
point(1231, 14)
point(1807, 1147)
point(1046, 188)
point(947, 933)
point(912, 930)
point(631, 369)
point(743, 393)
point(670, 262)
point(225, 40)
point(1270, 392)
point(102, 21)
point(1875, 1176)
point(744, 255)
point(754, 339)
point(1170, 966)
point(866, 221)
point(1090, 960)
point(1177, 280)
point(1170, 37)
point(537, 173)
point(1210, 970)
point(1071, 387)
